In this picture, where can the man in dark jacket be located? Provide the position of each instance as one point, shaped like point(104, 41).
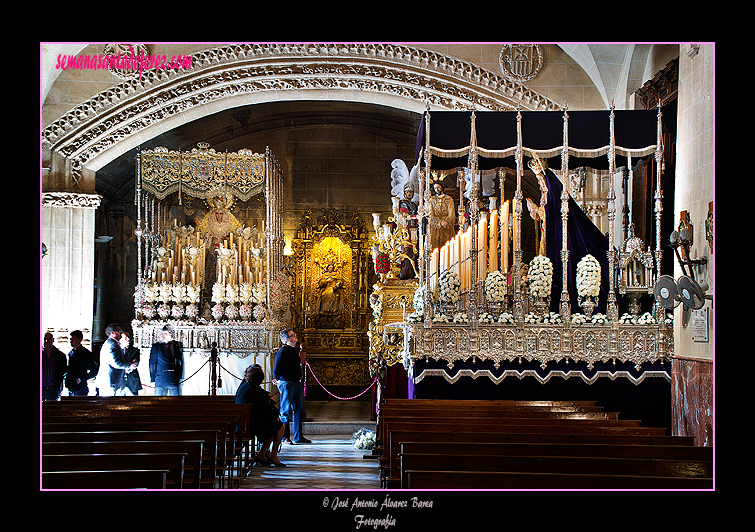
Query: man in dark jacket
point(287, 373)
point(81, 366)
point(54, 367)
point(166, 364)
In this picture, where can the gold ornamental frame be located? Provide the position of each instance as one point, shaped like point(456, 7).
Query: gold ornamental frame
point(331, 254)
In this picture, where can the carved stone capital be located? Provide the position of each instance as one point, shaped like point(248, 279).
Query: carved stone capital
point(71, 199)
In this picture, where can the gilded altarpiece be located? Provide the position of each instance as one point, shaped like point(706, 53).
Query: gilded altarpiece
point(331, 268)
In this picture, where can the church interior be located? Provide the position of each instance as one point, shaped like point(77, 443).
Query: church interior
point(516, 231)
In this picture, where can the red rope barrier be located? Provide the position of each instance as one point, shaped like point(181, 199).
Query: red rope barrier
point(374, 380)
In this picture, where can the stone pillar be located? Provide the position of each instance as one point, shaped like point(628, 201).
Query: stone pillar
point(692, 395)
point(67, 266)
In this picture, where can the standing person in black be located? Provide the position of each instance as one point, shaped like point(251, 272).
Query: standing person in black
point(81, 366)
point(131, 355)
point(287, 374)
point(166, 364)
point(54, 367)
point(265, 421)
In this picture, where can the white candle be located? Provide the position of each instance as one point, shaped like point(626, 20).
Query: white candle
point(493, 248)
point(505, 236)
point(482, 247)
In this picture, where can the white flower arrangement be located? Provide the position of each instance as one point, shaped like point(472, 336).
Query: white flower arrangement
point(484, 317)
point(165, 292)
point(506, 317)
point(495, 287)
point(193, 293)
point(246, 292)
point(259, 293)
point(419, 299)
point(578, 319)
point(551, 317)
point(449, 285)
point(217, 312)
point(218, 293)
point(279, 288)
point(646, 318)
point(259, 312)
point(415, 317)
point(151, 292)
point(440, 318)
point(176, 311)
point(600, 319)
point(245, 311)
point(163, 311)
point(148, 311)
point(364, 439)
point(232, 311)
point(178, 293)
point(541, 276)
point(588, 277)
point(192, 311)
point(231, 293)
point(460, 317)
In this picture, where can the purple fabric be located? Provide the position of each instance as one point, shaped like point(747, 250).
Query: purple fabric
point(583, 237)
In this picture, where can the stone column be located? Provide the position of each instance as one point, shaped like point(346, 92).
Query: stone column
point(67, 240)
point(693, 358)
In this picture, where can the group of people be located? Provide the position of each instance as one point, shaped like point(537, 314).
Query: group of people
point(116, 373)
point(273, 425)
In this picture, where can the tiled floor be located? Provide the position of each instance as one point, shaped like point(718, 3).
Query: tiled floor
point(330, 461)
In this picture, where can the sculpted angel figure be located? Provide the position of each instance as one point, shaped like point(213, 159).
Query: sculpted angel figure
point(401, 176)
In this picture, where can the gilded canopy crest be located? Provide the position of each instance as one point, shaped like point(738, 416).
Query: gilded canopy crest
point(199, 172)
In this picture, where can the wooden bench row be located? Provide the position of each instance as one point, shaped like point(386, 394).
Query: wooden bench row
point(429, 444)
point(211, 434)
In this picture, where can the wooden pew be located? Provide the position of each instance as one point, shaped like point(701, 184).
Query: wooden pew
point(209, 434)
point(224, 427)
point(620, 449)
point(563, 465)
point(459, 439)
point(112, 479)
point(551, 404)
point(488, 480)
point(243, 443)
point(455, 421)
point(424, 410)
point(191, 443)
point(192, 478)
point(496, 419)
point(237, 437)
point(389, 458)
point(173, 463)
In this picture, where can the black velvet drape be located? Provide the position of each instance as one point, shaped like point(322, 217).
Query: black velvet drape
point(583, 237)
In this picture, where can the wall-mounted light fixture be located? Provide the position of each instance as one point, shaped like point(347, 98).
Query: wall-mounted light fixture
point(683, 239)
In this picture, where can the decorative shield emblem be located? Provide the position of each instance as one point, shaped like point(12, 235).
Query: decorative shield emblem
point(521, 62)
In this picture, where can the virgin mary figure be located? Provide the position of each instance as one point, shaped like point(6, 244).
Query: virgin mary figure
point(330, 287)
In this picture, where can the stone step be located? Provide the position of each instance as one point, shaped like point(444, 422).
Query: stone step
point(337, 417)
point(336, 427)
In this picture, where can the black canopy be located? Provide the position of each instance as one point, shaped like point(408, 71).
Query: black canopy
point(589, 137)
